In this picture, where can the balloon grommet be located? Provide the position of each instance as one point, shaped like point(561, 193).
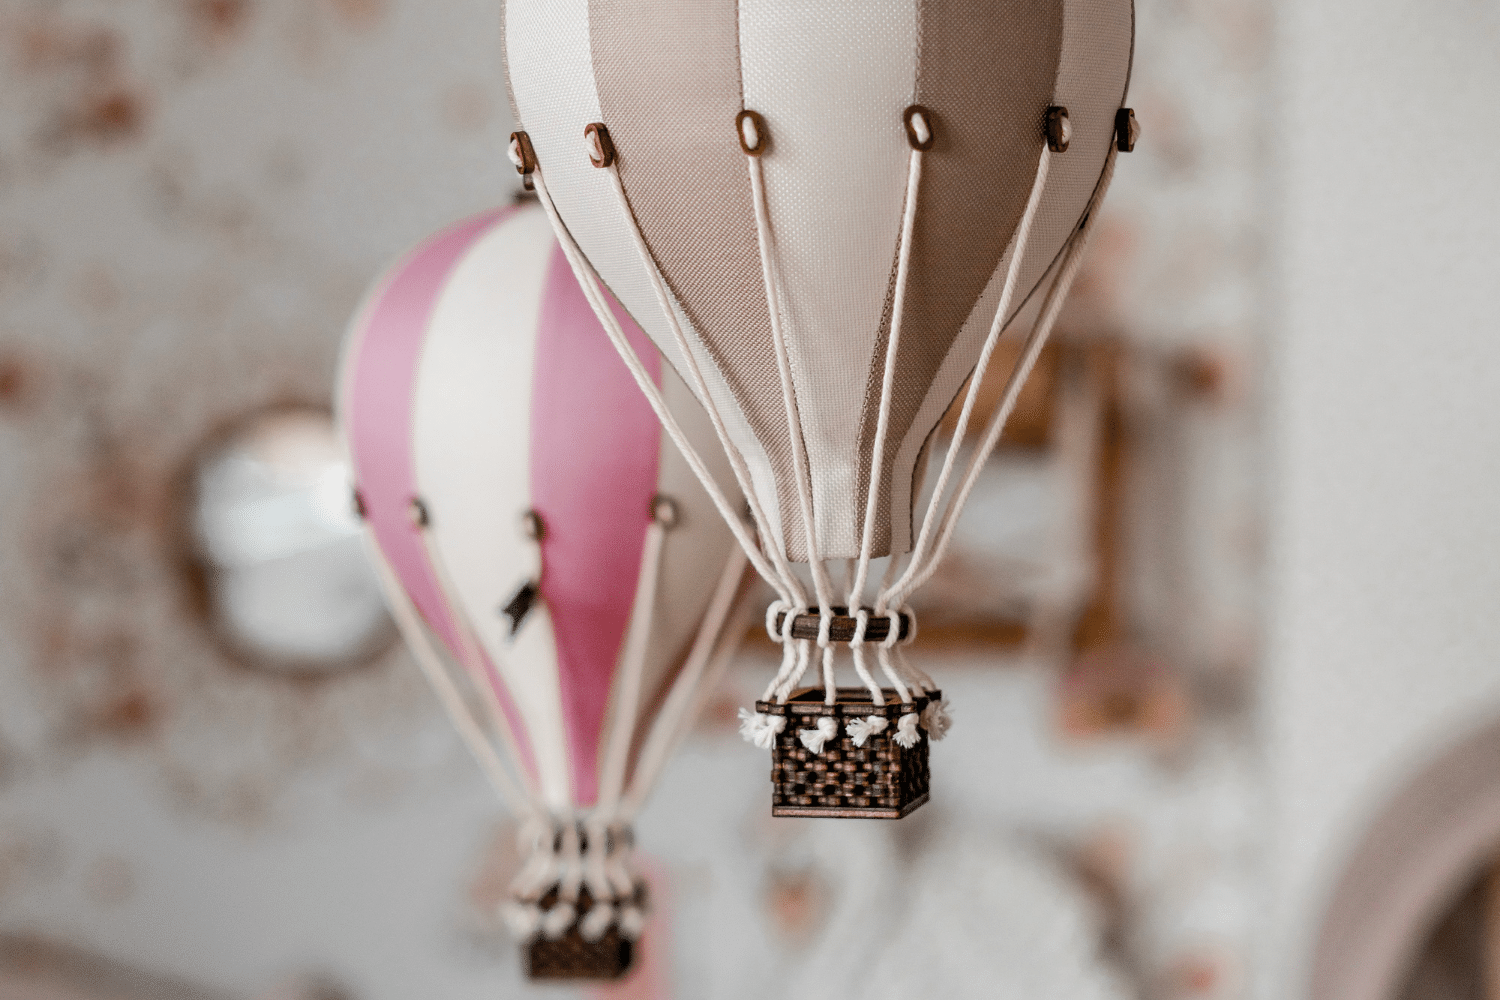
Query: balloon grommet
point(918, 122)
point(664, 511)
point(1059, 129)
point(1127, 130)
point(752, 132)
point(601, 147)
point(532, 526)
point(521, 153)
point(417, 511)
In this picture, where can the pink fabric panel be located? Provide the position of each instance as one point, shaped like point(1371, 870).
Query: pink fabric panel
point(379, 424)
point(594, 449)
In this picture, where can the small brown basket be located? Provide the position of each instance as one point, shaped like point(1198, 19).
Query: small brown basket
point(571, 956)
point(880, 780)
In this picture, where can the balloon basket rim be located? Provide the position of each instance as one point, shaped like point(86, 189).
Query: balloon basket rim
point(880, 780)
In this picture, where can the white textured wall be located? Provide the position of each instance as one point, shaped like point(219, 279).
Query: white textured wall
point(1385, 421)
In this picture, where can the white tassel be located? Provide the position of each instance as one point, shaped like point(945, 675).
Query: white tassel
point(632, 922)
point(860, 730)
point(907, 733)
point(813, 739)
point(523, 920)
point(557, 921)
point(597, 921)
point(936, 720)
point(760, 729)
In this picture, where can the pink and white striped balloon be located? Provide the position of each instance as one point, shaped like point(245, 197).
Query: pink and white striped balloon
point(544, 546)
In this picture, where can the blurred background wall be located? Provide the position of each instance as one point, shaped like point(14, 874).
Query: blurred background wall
point(1216, 630)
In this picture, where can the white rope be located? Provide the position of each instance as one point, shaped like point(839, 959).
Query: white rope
point(409, 622)
point(821, 584)
point(1007, 293)
point(632, 666)
point(671, 722)
point(765, 242)
point(591, 286)
point(790, 587)
point(888, 378)
point(1051, 308)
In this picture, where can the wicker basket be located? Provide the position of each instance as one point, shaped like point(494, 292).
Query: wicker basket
point(571, 956)
point(880, 780)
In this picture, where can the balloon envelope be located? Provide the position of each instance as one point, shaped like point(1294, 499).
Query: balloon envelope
point(832, 81)
point(477, 381)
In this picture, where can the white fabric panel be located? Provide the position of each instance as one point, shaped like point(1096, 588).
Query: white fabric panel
point(1093, 69)
point(552, 84)
point(471, 440)
point(832, 80)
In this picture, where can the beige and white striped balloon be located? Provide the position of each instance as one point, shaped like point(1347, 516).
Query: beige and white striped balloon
point(825, 215)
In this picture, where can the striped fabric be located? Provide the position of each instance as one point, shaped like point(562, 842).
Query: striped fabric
point(477, 378)
point(831, 79)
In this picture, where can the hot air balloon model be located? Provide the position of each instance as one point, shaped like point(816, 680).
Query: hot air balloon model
point(561, 577)
point(825, 215)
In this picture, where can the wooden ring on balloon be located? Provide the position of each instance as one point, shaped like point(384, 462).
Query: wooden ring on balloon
point(750, 128)
point(919, 130)
point(842, 626)
point(1127, 130)
point(1059, 129)
point(601, 147)
point(522, 154)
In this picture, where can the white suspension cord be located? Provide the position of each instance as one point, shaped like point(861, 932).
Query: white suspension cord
point(790, 587)
point(671, 722)
point(1051, 308)
point(1012, 278)
point(888, 378)
point(627, 703)
point(821, 582)
point(409, 621)
point(882, 427)
point(591, 286)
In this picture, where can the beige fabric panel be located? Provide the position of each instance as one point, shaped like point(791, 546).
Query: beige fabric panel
point(986, 72)
point(1092, 82)
point(672, 121)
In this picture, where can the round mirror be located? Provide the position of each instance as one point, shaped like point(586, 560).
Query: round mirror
point(277, 546)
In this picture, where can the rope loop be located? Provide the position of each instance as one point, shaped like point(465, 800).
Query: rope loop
point(772, 610)
point(911, 616)
point(894, 635)
point(825, 621)
point(862, 622)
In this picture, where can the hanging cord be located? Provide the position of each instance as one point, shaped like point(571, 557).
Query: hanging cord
point(471, 658)
point(791, 586)
point(921, 137)
point(1012, 278)
point(408, 620)
point(764, 239)
point(707, 652)
point(592, 289)
point(1032, 349)
point(637, 645)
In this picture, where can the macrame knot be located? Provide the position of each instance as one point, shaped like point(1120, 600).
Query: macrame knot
point(772, 610)
point(860, 730)
point(825, 622)
point(813, 739)
point(861, 624)
point(523, 920)
point(597, 921)
point(557, 920)
point(936, 720)
point(761, 729)
point(907, 733)
point(632, 922)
